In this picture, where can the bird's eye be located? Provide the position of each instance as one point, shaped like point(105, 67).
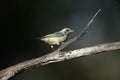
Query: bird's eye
point(67, 30)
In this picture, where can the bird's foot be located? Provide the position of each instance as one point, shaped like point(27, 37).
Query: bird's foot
point(52, 48)
point(58, 43)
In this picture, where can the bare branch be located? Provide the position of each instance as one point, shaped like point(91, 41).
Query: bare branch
point(54, 57)
point(84, 31)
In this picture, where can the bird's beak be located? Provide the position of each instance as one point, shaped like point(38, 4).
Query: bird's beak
point(71, 30)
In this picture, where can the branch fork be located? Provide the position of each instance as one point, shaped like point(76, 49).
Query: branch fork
point(59, 55)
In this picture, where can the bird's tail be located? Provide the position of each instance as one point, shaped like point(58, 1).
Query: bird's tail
point(38, 38)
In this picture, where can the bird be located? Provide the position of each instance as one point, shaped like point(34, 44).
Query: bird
point(57, 37)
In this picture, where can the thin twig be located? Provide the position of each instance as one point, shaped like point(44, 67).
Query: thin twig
point(84, 31)
point(54, 56)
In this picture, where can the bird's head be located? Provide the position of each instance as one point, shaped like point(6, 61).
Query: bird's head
point(66, 31)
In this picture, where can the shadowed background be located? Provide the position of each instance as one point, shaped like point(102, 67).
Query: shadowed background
point(23, 20)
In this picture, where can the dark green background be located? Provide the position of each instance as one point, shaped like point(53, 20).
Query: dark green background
point(23, 20)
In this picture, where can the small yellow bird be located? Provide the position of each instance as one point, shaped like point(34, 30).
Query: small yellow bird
point(57, 37)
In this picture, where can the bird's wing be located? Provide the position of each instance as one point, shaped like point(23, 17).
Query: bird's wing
point(56, 34)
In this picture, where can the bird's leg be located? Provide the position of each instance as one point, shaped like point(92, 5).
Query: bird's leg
point(52, 47)
point(58, 43)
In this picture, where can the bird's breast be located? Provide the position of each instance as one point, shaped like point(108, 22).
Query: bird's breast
point(54, 40)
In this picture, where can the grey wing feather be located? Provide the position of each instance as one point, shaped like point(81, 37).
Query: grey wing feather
point(56, 34)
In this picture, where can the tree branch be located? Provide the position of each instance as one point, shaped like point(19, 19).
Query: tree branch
point(84, 31)
point(54, 57)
